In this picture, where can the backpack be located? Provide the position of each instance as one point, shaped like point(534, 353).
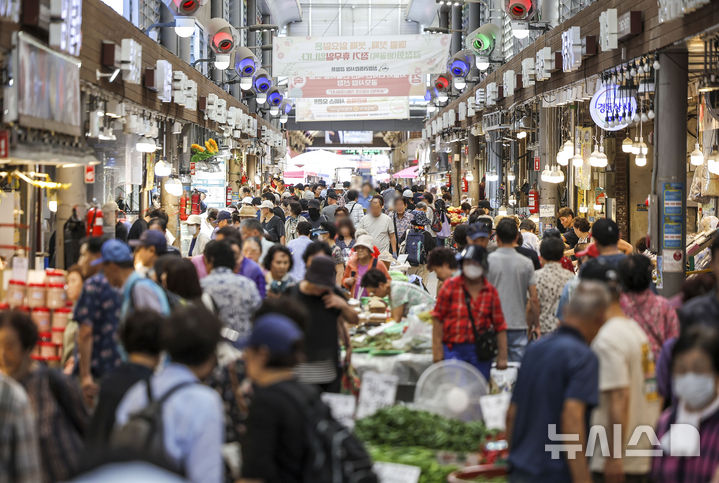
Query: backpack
point(335, 455)
point(414, 247)
point(437, 225)
point(144, 430)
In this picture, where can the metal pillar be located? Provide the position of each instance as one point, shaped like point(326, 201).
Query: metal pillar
point(473, 164)
point(267, 40)
point(252, 40)
point(443, 17)
point(66, 200)
point(455, 166)
point(670, 167)
point(168, 37)
point(216, 12)
point(235, 19)
point(494, 163)
point(456, 44)
point(184, 49)
point(548, 147)
point(475, 14)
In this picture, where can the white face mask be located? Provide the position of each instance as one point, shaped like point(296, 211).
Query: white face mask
point(472, 272)
point(696, 390)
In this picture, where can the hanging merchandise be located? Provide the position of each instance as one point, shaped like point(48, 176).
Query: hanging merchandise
point(94, 222)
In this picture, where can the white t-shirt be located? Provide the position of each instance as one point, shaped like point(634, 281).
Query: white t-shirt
point(626, 360)
point(380, 228)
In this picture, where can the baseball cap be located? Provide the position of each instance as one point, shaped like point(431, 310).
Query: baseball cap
point(407, 194)
point(321, 271)
point(475, 253)
point(247, 200)
point(152, 238)
point(605, 232)
point(479, 229)
point(114, 251)
point(599, 269)
point(224, 215)
point(193, 220)
point(332, 194)
point(267, 204)
point(275, 332)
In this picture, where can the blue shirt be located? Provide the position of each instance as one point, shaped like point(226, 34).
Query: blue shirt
point(298, 247)
point(99, 306)
point(250, 269)
point(557, 367)
point(193, 421)
point(364, 201)
point(146, 294)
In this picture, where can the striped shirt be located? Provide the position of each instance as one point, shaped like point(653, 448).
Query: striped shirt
point(19, 454)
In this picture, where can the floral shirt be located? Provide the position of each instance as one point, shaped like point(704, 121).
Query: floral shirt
point(550, 281)
point(402, 223)
point(99, 306)
point(654, 315)
point(235, 296)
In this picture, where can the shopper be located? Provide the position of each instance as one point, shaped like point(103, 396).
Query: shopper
point(342, 213)
point(355, 210)
point(365, 258)
point(345, 236)
point(478, 233)
point(209, 222)
point(55, 399)
point(199, 239)
point(297, 247)
point(418, 243)
point(652, 312)
point(319, 295)
point(380, 227)
point(557, 385)
point(705, 308)
point(278, 264)
point(315, 216)
point(695, 368)
point(401, 218)
point(192, 413)
point(151, 245)
point(97, 313)
point(365, 197)
point(627, 385)
point(252, 228)
point(469, 306)
point(292, 220)
point(327, 233)
point(141, 224)
point(329, 210)
point(551, 279)
point(19, 451)
point(459, 237)
point(140, 336)
point(443, 262)
point(181, 280)
point(273, 227)
point(235, 296)
point(160, 224)
point(445, 228)
point(605, 234)
point(73, 290)
point(275, 446)
point(582, 230)
point(566, 219)
point(402, 295)
point(513, 276)
point(252, 249)
point(245, 266)
point(528, 230)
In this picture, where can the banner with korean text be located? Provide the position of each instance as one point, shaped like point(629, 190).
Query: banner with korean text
point(356, 86)
point(352, 56)
point(351, 108)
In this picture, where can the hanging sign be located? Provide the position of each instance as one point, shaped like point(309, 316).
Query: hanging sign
point(537, 163)
point(89, 174)
point(571, 49)
point(351, 108)
point(356, 86)
point(607, 100)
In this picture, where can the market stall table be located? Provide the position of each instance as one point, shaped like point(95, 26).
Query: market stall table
point(407, 367)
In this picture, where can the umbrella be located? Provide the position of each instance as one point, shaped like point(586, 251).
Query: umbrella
point(408, 173)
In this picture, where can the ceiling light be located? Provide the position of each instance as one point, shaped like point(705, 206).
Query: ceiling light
point(521, 134)
point(696, 156)
point(627, 145)
point(107, 135)
point(261, 98)
point(246, 83)
point(162, 169)
point(598, 159)
point(598, 207)
point(274, 111)
point(520, 30)
point(431, 107)
point(546, 175)
point(482, 63)
point(145, 145)
point(502, 211)
point(557, 175)
point(469, 176)
point(577, 161)
point(511, 177)
point(713, 161)
point(173, 186)
point(442, 96)
point(222, 62)
point(635, 145)
point(568, 148)
point(583, 209)
point(491, 176)
point(176, 128)
point(562, 157)
point(283, 118)
point(640, 160)
point(184, 26)
point(459, 83)
point(52, 206)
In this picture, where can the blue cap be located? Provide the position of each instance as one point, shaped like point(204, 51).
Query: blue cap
point(151, 238)
point(224, 215)
point(479, 229)
point(114, 251)
point(274, 331)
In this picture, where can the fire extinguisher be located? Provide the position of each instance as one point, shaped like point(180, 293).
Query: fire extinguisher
point(183, 205)
point(94, 222)
point(195, 201)
point(533, 199)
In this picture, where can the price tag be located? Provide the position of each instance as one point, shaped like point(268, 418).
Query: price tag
point(377, 391)
point(546, 211)
point(396, 473)
point(19, 269)
point(494, 410)
point(342, 407)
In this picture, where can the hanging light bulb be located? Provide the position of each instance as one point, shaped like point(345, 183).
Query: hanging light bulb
point(502, 211)
point(173, 186)
point(162, 169)
point(512, 200)
point(568, 148)
point(442, 96)
point(696, 156)
point(521, 134)
point(562, 158)
point(594, 156)
point(261, 98)
point(635, 146)
point(583, 209)
point(557, 175)
point(713, 161)
point(577, 161)
point(274, 110)
point(145, 145)
point(600, 160)
point(459, 83)
point(598, 207)
point(469, 176)
point(627, 145)
point(511, 177)
point(246, 83)
point(640, 160)
point(491, 176)
point(546, 175)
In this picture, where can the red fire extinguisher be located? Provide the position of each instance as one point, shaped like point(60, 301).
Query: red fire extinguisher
point(195, 201)
point(183, 205)
point(94, 222)
point(533, 199)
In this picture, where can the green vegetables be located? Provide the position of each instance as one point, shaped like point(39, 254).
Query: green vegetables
point(381, 341)
point(399, 426)
point(432, 471)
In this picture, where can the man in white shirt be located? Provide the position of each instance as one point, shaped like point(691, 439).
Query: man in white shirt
point(379, 226)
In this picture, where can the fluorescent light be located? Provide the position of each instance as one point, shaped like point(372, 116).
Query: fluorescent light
point(184, 26)
point(145, 145)
point(520, 30)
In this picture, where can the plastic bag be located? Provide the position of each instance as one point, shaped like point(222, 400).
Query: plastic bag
point(417, 337)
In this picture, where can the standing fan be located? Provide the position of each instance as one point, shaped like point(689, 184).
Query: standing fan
point(451, 389)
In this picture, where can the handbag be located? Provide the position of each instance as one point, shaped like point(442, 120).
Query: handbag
point(485, 341)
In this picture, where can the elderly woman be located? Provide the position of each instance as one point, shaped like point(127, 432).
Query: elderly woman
point(252, 249)
point(278, 264)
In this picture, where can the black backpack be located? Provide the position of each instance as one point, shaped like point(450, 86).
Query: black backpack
point(144, 430)
point(335, 454)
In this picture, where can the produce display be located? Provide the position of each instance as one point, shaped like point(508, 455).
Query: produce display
point(432, 471)
point(456, 216)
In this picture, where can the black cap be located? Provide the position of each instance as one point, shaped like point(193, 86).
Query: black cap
point(332, 194)
point(599, 269)
point(605, 232)
point(475, 253)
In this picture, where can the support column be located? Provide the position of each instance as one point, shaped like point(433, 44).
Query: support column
point(267, 40)
point(548, 147)
point(456, 45)
point(473, 163)
point(184, 49)
point(216, 12)
point(670, 166)
point(171, 204)
point(443, 17)
point(235, 20)
point(455, 166)
point(252, 41)
point(66, 200)
point(168, 37)
point(473, 23)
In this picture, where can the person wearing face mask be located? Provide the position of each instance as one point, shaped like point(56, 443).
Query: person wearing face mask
point(628, 396)
point(467, 305)
point(199, 239)
point(315, 216)
point(688, 454)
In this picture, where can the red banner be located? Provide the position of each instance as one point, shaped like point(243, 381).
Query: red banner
point(356, 86)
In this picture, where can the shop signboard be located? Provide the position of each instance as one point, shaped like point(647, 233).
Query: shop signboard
point(351, 108)
point(571, 49)
point(356, 86)
point(4, 143)
point(607, 101)
point(672, 227)
point(89, 174)
point(672, 199)
point(343, 56)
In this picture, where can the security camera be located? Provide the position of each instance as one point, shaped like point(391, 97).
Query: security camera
point(184, 7)
point(274, 97)
point(483, 40)
point(262, 81)
point(460, 63)
point(245, 62)
point(519, 9)
point(222, 36)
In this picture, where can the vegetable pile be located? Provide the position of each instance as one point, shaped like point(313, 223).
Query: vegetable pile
point(399, 426)
point(432, 471)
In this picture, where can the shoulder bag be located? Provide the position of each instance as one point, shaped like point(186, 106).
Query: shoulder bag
point(485, 340)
